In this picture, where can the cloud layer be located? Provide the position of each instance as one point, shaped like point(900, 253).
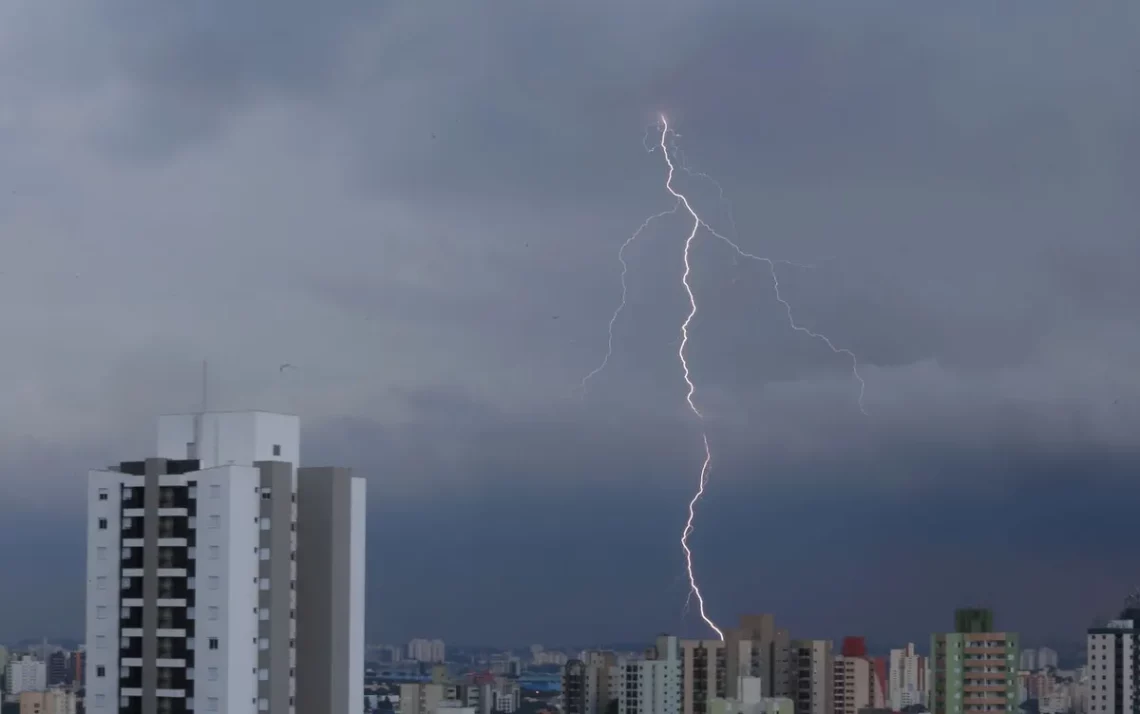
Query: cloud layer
point(420, 206)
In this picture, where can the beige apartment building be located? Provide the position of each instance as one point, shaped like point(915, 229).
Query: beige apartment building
point(812, 676)
point(704, 674)
point(53, 701)
point(757, 648)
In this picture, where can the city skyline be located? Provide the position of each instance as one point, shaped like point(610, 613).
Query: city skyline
point(420, 208)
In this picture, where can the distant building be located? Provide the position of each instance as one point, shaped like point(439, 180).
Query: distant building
point(975, 667)
point(907, 683)
point(1046, 658)
point(427, 651)
point(57, 670)
point(52, 701)
point(1028, 661)
point(26, 674)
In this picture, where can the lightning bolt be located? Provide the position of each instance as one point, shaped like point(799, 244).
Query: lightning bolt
point(663, 142)
point(624, 290)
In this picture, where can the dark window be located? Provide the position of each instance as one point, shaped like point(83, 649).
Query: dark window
point(213, 643)
point(102, 524)
point(277, 449)
point(100, 671)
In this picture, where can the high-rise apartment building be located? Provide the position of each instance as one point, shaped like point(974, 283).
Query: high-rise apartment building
point(757, 648)
point(907, 683)
point(1046, 658)
point(25, 674)
point(1114, 665)
point(57, 672)
point(1028, 660)
point(651, 685)
point(433, 651)
point(207, 565)
point(856, 679)
point(812, 676)
point(704, 674)
point(974, 667)
point(586, 683)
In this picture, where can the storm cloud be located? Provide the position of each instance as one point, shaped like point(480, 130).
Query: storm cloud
point(420, 206)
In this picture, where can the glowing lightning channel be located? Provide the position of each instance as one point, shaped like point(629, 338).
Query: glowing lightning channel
point(624, 290)
point(699, 223)
point(771, 263)
point(694, 589)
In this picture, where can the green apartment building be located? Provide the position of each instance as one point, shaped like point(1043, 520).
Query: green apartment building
point(974, 667)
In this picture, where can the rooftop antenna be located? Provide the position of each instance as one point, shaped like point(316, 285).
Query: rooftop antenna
point(196, 452)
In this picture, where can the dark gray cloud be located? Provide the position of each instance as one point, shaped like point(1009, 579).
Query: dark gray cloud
point(420, 204)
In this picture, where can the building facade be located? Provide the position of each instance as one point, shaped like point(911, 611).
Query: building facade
point(812, 676)
point(757, 648)
point(974, 667)
point(25, 674)
point(1114, 665)
point(652, 685)
point(194, 575)
point(907, 679)
point(704, 674)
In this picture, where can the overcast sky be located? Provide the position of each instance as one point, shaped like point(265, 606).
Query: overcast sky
point(420, 204)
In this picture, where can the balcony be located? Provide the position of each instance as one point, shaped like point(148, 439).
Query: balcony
point(172, 588)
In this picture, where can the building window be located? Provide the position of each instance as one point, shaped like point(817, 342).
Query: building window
point(102, 524)
point(212, 674)
point(214, 581)
point(100, 612)
point(263, 643)
point(215, 552)
point(101, 553)
point(103, 494)
point(215, 491)
point(215, 522)
point(264, 524)
point(100, 642)
point(101, 582)
point(100, 671)
point(213, 643)
point(213, 704)
point(265, 553)
point(264, 584)
point(277, 449)
point(213, 613)
point(263, 676)
point(263, 705)
point(100, 700)
point(263, 614)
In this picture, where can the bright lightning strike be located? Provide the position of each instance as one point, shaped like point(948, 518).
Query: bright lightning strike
point(698, 223)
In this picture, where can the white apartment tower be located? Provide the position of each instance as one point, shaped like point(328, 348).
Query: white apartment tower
point(1114, 665)
point(907, 678)
point(651, 685)
point(223, 578)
